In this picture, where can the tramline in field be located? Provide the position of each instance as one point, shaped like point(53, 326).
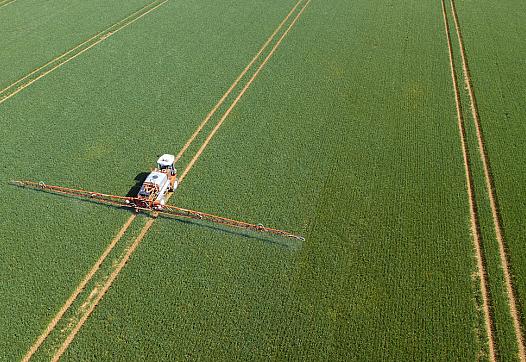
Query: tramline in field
point(152, 197)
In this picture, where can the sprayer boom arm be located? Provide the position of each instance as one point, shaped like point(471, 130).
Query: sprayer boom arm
point(167, 210)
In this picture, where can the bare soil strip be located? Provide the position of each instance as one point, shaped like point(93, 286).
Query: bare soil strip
point(490, 188)
point(238, 79)
point(472, 207)
point(99, 34)
point(100, 38)
point(234, 103)
point(150, 222)
point(77, 291)
point(7, 3)
point(103, 291)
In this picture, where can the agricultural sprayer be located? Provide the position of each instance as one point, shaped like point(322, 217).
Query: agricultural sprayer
point(152, 197)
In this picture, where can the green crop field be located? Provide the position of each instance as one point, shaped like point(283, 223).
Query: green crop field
point(388, 134)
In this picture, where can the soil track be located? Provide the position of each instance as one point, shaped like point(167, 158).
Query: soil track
point(99, 34)
point(475, 229)
point(234, 103)
point(236, 82)
point(7, 3)
point(77, 291)
point(103, 291)
point(71, 54)
point(490, 188)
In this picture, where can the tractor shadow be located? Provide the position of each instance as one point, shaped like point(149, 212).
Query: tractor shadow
point(139, 180)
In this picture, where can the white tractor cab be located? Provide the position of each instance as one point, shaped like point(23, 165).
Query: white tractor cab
point(166, 163)
point(162, 180)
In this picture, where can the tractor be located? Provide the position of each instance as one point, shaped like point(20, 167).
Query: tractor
point(155, 188)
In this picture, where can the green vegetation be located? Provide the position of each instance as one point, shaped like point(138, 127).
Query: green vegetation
point(300, 152)
point(348, 136)
point(496, 59)
point(89, 126)
point(484, 59)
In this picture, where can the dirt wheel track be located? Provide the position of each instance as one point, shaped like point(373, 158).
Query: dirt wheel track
point(236, 82)
point(6, 3)
point(475, 229)
point(78, 290)
point(103, 291)
point(240, 95)
point(100, 37)
point(490, 188)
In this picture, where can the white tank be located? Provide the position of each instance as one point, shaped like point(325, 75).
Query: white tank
point(157, 178)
